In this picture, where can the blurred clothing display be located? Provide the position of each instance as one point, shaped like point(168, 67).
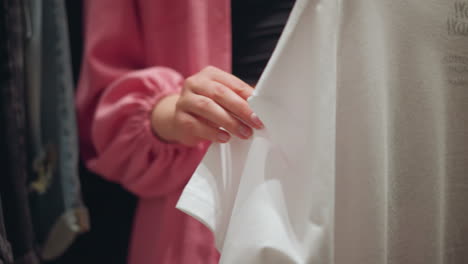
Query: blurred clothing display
point(40, 187)
point(14, 147)
point(58, 211)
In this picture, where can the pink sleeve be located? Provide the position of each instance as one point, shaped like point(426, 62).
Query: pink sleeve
point(115, 97)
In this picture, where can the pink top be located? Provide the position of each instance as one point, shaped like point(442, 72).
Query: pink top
point(136, 52)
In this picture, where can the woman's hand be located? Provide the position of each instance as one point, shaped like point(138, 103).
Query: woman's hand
point(211, 104)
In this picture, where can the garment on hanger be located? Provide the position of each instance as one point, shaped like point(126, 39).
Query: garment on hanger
point(14, 134)
point(365, 152)
point(111, 217)
point(58, 211)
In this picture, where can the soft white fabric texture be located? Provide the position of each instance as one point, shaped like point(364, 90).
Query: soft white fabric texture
point(364, 159)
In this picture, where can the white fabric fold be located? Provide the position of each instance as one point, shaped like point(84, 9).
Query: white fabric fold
point(364, 158)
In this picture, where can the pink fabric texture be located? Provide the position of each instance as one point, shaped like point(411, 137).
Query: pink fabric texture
point(137, 52)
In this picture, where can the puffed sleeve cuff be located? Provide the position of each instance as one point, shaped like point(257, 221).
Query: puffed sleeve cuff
point(128, 151)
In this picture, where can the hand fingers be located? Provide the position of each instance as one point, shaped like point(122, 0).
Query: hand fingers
point(230, 101)
point(237, 85)
point(206, 108)
point(194, 130)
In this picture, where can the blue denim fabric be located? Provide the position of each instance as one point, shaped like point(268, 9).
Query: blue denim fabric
point(58, 211)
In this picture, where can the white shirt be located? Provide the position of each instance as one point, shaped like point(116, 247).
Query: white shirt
point(364, 158)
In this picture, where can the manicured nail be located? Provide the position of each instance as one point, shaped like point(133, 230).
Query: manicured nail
point(258, 123)
point(223, 137)
point(245, 131)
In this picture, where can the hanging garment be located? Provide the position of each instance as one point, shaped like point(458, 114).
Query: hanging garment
point(107, 240)
point(58, 211)
point(13, 139)
point(365, 153)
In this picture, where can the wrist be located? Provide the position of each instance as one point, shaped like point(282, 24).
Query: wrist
point(162, 118)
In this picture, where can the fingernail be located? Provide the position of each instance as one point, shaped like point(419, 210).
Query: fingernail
point(256, 121)
point(245, 131)
point(223, 137)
